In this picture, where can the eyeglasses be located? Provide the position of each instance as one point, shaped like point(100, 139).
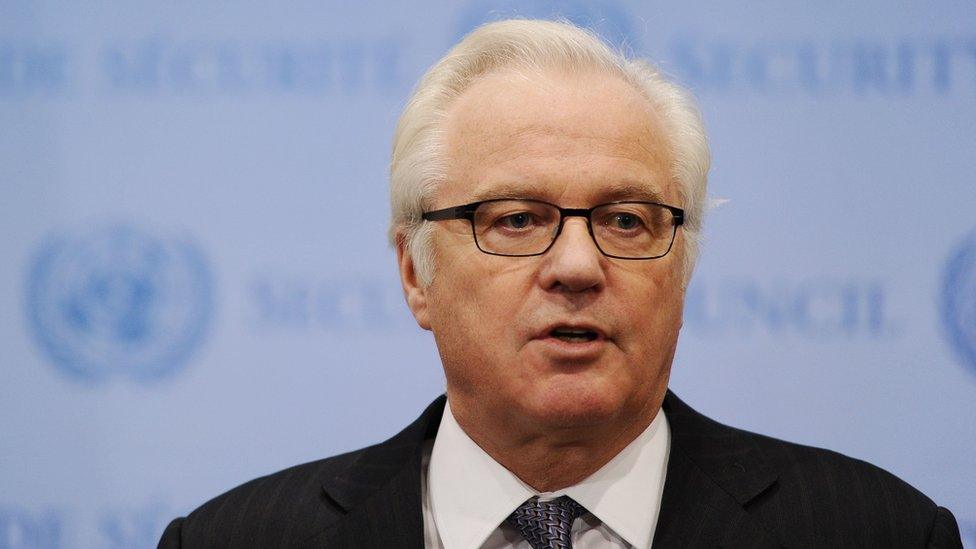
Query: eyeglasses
point(525, 227)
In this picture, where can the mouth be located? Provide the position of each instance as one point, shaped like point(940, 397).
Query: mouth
point(575, 344)
point(574, 335)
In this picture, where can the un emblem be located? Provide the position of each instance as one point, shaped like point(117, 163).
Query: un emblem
point(119, 302)
point(959, 299)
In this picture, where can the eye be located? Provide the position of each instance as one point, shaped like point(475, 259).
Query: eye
point(519, 220)
point(625, 221)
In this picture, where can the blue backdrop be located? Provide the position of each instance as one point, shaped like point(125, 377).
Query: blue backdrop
point(193, 199)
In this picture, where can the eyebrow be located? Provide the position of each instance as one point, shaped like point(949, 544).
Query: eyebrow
point(613, 192)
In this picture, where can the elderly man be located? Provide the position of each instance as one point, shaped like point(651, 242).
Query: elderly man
point(547, 200)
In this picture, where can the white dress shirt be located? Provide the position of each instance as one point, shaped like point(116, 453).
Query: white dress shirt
point(467, 495)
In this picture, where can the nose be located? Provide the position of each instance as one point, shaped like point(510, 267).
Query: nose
point(573, 263)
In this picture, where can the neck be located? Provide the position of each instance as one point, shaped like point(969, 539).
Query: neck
point(550, 459)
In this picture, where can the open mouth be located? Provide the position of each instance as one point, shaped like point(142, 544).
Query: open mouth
point(574, 335)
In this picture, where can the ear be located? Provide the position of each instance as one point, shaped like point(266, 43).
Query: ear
point(413, 291)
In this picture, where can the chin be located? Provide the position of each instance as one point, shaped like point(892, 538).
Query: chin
point(563, 408)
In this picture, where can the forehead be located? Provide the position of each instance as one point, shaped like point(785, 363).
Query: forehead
point(555, 135)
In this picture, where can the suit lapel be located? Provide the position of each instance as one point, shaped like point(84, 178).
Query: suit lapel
point(380, 492)
point(712, 475)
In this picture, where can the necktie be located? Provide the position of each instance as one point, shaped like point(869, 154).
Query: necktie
point(547, 524)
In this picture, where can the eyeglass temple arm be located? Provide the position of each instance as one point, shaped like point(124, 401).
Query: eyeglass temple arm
point(456, 212)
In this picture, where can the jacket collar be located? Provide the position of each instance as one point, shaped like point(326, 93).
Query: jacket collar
point(713, 472)
point(378, 492)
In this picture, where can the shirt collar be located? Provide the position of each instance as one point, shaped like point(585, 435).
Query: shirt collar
point(626, 492)
point(471, 494)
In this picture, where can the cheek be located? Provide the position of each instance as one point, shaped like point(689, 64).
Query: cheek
point(654, 307)
point(478, 315)
point(464, 316)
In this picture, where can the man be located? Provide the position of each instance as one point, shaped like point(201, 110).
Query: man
point(547, 199)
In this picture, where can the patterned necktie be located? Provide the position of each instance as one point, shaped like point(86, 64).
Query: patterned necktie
point(547, 524)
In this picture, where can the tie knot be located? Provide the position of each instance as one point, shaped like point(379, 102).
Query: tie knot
point(547, 524)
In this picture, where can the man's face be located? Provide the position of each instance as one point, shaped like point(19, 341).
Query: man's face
point(575, 141)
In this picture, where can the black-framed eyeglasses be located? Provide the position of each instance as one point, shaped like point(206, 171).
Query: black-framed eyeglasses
point(525, 227)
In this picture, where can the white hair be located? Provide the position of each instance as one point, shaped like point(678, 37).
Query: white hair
point(418, 168)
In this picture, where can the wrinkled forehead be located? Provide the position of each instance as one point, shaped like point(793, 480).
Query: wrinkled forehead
point(550, 135)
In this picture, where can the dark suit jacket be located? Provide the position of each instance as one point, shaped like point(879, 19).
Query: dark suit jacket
point(724, 487)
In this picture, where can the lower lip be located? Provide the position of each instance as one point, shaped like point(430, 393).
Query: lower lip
point(571, 350)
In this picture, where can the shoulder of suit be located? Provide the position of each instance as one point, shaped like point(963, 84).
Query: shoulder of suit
point(270, 507)
point(822, 498)
point(855, 499)
point(840, 477)
point(807, 494)
point(293, 504)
